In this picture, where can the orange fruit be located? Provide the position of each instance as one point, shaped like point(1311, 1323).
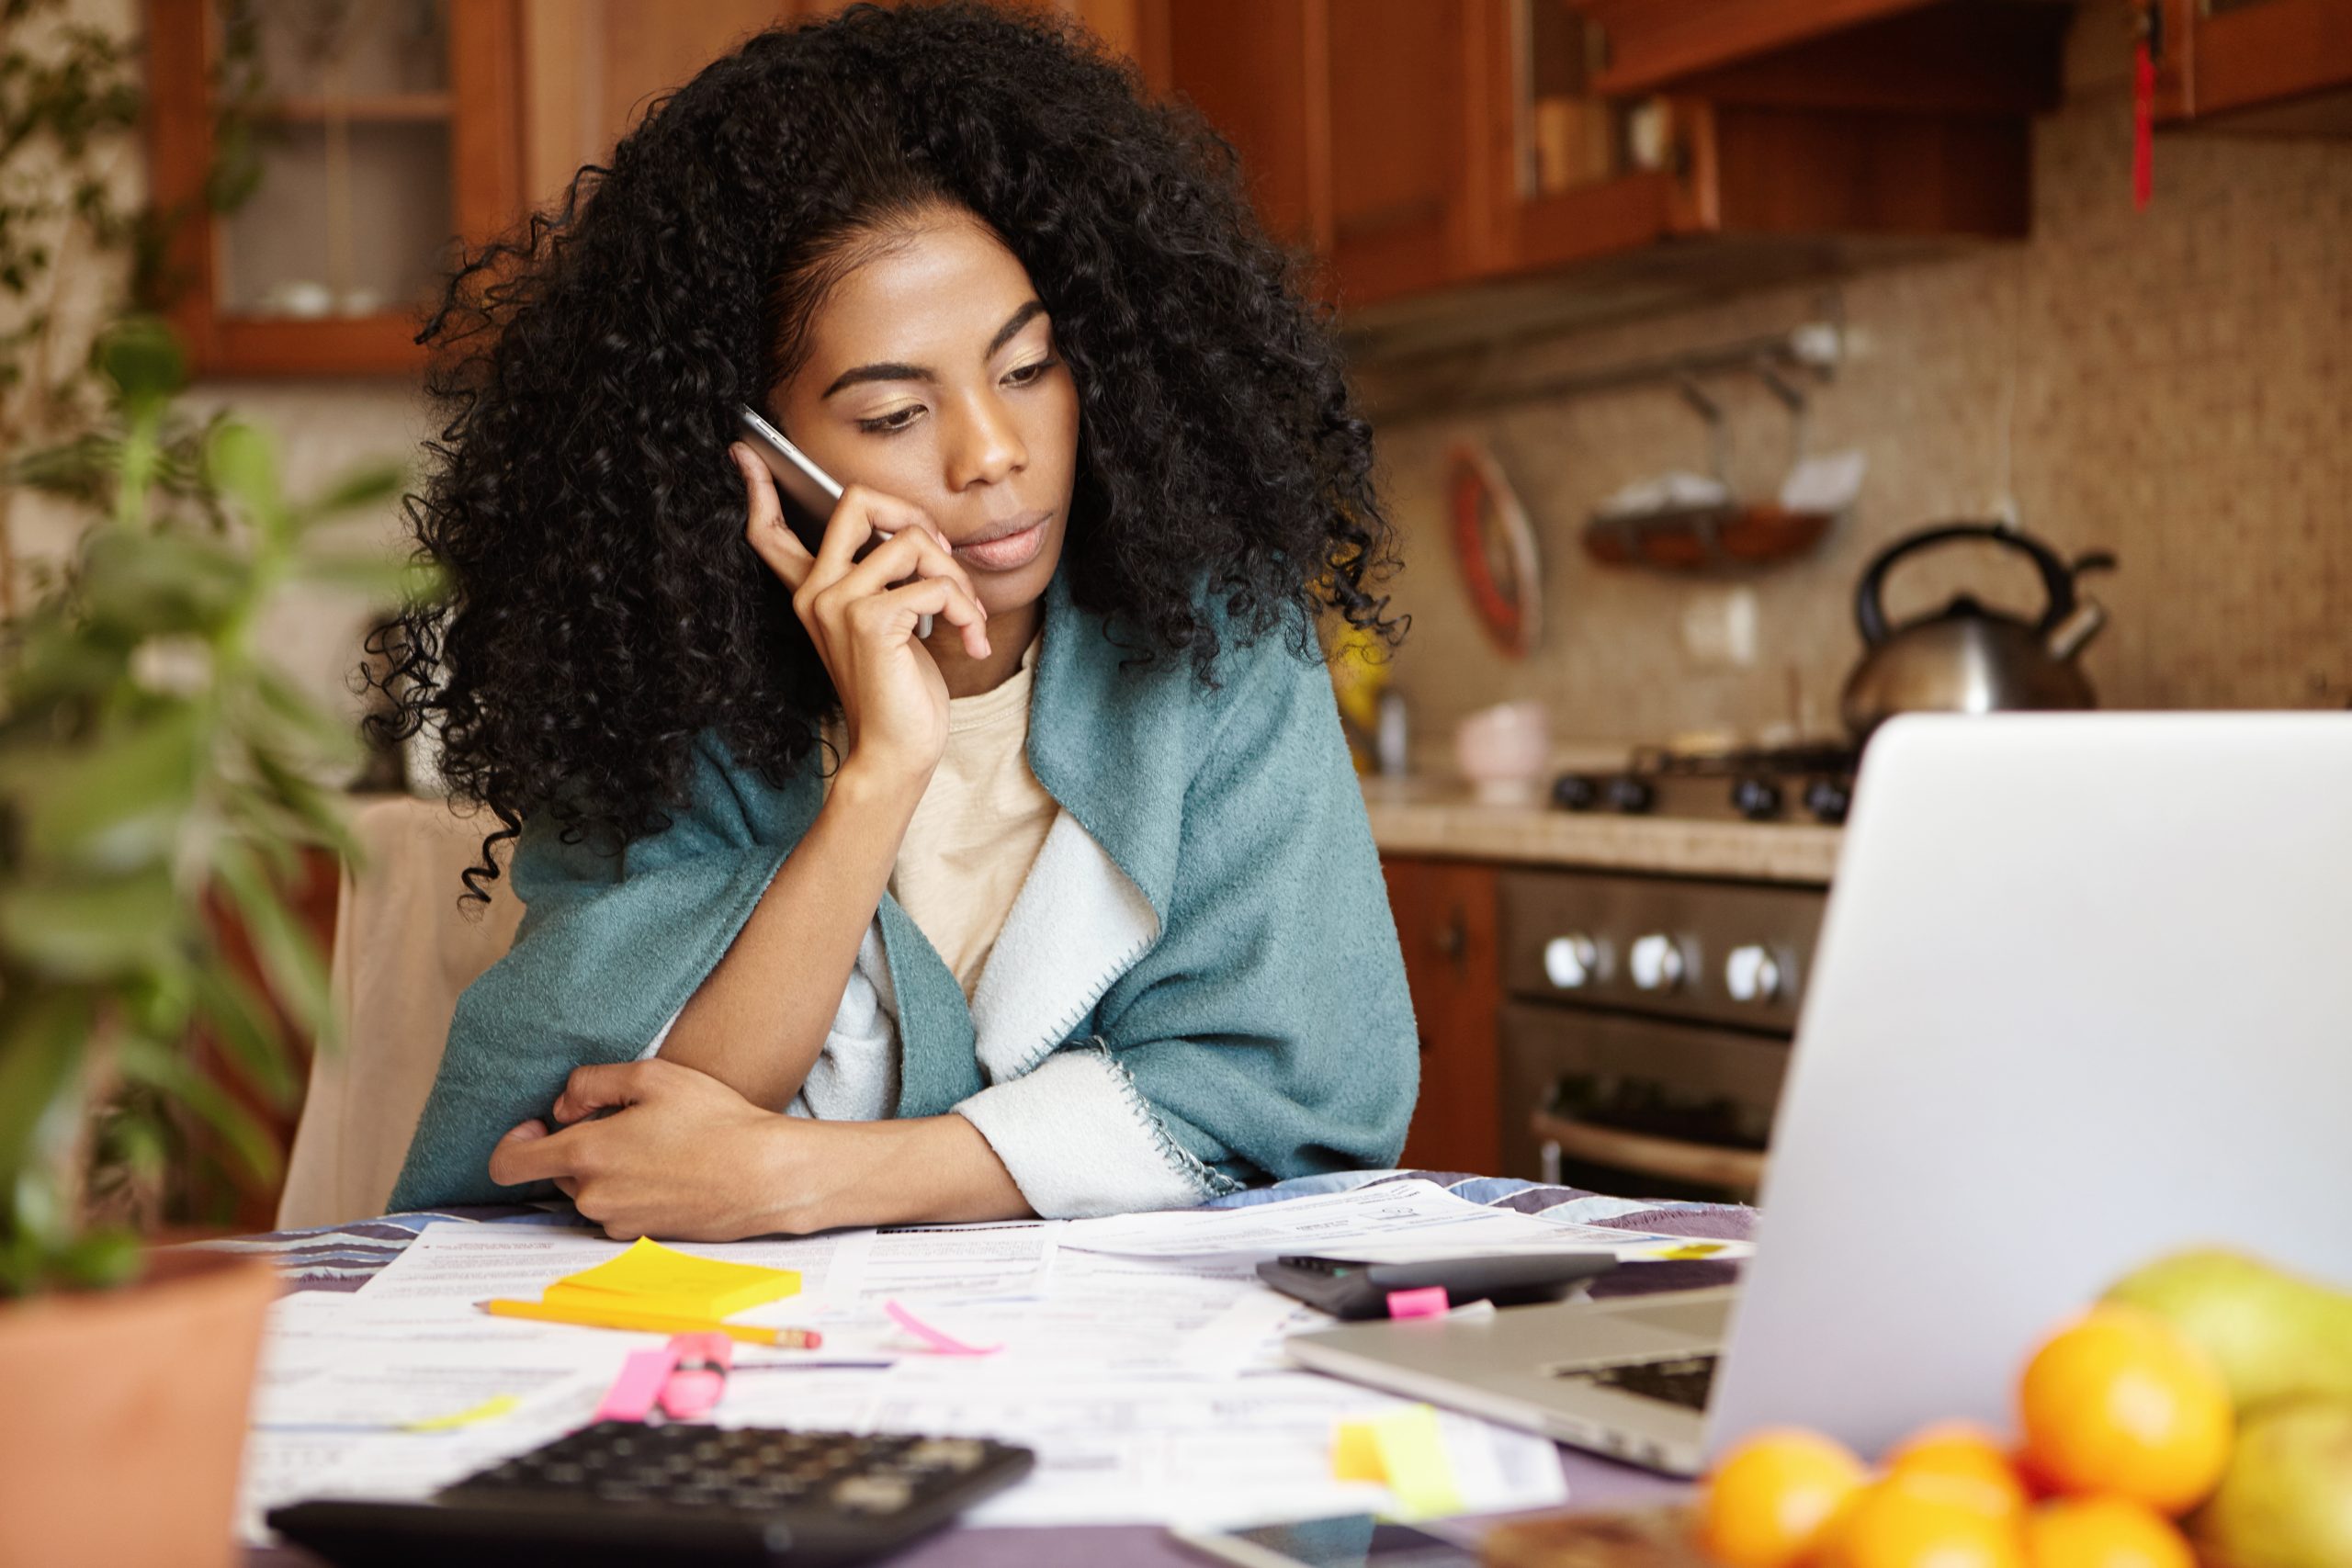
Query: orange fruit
point(2119, 1403)
point(1765, 1505)
point(1920, 1521)
point(1969, 1460)
point(2104, 1533)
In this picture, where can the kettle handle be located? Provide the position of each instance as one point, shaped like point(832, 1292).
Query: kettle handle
point(2057, 579)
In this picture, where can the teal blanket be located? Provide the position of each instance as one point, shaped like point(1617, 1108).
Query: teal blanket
point(1260, 1031)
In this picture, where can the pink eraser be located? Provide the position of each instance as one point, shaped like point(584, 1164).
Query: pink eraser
point(643, 1376)
point(1428, 1302)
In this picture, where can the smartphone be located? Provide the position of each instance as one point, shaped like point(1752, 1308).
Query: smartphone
point(809, 493)
point(1354, 1541)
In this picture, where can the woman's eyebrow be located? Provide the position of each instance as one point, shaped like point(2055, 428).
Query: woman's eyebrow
point(901, 372)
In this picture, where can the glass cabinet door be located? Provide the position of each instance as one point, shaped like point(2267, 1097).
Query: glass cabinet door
point(353, 212)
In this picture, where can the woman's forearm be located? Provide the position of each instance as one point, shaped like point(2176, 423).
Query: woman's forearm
point(923, 1170)
point(760, 1017)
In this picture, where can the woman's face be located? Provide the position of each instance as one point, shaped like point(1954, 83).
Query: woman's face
point(931, 377)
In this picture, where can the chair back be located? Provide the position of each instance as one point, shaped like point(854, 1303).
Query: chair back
point(405, 948)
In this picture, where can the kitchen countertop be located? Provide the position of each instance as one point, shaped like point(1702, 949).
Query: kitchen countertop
point(1439, 816)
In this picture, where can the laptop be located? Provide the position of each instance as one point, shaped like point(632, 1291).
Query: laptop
point(2083, 996)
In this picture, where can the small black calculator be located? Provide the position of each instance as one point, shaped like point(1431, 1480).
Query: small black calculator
point(1353, 1290)
point(683, 1495)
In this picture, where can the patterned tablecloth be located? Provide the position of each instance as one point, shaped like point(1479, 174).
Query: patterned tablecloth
point(343, 1257)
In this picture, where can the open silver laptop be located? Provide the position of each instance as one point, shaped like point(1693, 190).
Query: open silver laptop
point(2084, 996)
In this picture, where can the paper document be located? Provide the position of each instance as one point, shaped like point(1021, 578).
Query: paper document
point(1228, 1451)
point(1153, 1387)
point(454, 1261)
point(1393, 1222)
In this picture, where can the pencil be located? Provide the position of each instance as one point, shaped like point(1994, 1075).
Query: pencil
point(656, 1323)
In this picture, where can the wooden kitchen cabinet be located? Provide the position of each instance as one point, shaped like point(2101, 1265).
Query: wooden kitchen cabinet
point(386, 129)
point(1351, 118)
point(1446, 913)
point(1913, 57)
point(1417, 146)
point(2279, 67)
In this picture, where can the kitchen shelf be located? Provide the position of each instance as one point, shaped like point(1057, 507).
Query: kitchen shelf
point(373, 108)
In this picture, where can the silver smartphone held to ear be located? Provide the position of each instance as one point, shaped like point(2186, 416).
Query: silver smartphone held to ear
point(809, 493)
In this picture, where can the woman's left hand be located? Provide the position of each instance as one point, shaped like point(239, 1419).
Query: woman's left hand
point(682, 1156)
point(685, 1156)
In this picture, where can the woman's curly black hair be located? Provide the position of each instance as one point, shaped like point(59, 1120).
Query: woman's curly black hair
point(601, 607)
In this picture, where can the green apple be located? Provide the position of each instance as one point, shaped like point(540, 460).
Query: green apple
point(2272, 1333)
point(2286, 1500)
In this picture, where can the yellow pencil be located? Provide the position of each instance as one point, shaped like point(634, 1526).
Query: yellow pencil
point(655, 1323)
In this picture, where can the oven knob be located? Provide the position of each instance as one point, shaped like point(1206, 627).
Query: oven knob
point(1752, 974)
point(1756, 799)
point(1569, 961)
point(1829, 800)
point(1631, 796)
point(1656, 961)
point(1575, 792)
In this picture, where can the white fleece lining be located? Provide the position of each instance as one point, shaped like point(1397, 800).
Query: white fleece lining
point(1077, 924)
point(855, 1075)
point(1073, 1136)
point(1070, 1125)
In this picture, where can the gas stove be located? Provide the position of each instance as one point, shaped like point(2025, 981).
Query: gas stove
point(1764, 784)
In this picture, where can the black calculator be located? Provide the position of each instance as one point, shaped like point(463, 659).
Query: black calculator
point(682, 1494)
point(1351, 1290)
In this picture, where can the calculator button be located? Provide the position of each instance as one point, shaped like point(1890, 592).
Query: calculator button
point(874, 1493)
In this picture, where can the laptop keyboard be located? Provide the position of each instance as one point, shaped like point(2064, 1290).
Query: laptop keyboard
point(1681, 1379)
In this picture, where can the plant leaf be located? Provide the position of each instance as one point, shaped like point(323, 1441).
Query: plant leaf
point(140, 355)
point(99, 1260)
point(370, 485)
point(115, 801)
point(164, 1070)
point(92, 929)
point(43, 1037)
point(290, 958)
point(242, 461)
point(247, 1030)
point(146, 584)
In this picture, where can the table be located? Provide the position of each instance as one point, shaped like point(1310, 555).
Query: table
point(343, 1257)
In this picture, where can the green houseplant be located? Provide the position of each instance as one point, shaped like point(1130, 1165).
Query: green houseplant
point(152, 760)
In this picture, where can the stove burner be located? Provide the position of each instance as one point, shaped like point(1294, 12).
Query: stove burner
point(1766, 784)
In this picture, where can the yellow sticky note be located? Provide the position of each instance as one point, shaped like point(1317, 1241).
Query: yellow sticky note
point(1405, 1453)
point(489, 1409)
point(1689, 1251)
point(1356, 1454)
point(650, 1277)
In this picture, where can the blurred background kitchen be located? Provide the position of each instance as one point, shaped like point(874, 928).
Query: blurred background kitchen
point(1672, 316)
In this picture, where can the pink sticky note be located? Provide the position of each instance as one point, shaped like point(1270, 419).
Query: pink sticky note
point(1428, 1302)
point(643, 1376)
point(945, 1344)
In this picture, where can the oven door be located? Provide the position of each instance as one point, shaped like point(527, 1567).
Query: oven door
point(1636, 1107)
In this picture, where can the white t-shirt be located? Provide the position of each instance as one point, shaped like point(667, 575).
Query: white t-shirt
point(977, 827)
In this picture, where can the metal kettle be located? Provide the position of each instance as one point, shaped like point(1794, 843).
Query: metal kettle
point(1966, 657)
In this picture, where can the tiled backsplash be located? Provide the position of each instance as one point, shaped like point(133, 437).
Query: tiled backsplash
point(2175, 385)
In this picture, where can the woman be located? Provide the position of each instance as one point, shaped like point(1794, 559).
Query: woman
point(1068, 906)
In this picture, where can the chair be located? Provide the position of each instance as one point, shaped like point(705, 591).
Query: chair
point(403, 949)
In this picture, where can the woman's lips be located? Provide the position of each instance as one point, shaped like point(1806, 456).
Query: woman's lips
point(1009, 553)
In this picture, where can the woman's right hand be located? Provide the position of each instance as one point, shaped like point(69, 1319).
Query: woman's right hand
point(894, 700)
